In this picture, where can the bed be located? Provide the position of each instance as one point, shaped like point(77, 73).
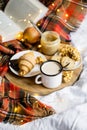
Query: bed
point(70, 103)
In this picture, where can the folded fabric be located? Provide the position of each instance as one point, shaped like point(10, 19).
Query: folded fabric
point(10, 47)
point(19, 107)
point(62, 17)
point(16, 105)
point(53, 23)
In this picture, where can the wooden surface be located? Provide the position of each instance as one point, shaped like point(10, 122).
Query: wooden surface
point(29, 85)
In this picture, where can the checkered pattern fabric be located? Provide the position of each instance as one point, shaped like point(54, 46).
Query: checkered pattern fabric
point(63, 16)
point(16, 105)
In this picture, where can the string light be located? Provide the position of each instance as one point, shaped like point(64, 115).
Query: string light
point(82, 8)
point(58, 10)
point(11, 17)
point(3, 38)
point(40, 11)
point(22, 121)
point(29, 15)
point(25, 20)
point(15, 109)
point(66, 15)
point(53, 4)
point(39, 46)
point(65, 20)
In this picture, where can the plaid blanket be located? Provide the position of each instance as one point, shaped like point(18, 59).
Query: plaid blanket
point(53, 23)
point(19, 107)
point(63, 16)
point(16, 105)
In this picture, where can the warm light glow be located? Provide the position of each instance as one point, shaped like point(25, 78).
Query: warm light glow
point(40, 11)
point(25, 20)
point(58, 10)
point(11, 17)
point(39, 46)
point(65, 20)
point(15, 109)
point(36, 101)
point(53, 4)
point(3, 38)
point(66, 15)
point(82, 8)
point(21, 120)
point(29, 15)
point(45, 106)
point(38, 24)
point(29, 21)
point(22, 40)
point(10, 91)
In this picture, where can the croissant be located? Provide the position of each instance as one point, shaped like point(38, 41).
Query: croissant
point(26, 63)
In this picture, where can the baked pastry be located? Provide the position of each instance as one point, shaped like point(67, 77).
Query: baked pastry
point(67, 76)
point(70, 51)
point(67, 56)
point(67, 62)
point(26, 63)
point(40, 60)
point(56, 57)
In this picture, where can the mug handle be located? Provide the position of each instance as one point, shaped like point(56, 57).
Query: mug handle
point(37, 81)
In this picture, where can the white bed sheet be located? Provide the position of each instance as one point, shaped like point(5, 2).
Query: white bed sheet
point(70, 103)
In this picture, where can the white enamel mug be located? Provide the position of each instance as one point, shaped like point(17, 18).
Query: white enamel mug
point(51, 74)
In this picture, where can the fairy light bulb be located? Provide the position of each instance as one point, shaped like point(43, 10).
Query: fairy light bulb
point(15, 109)
point(25, 20)
point(28, 21)
point(22, 121)
point(65, 20)
point(45, 106)
point(22, 40)
point(38, 24)
point(40, 11)
point(58, 10)
point(53, 4)
point(39, 46)
point(11, 17)
point(66, 15)
point(82, 8)
point(29, 15)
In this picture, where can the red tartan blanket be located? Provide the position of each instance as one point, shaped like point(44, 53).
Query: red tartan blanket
point(19, 107)
point(63, 16)
point(16, 105)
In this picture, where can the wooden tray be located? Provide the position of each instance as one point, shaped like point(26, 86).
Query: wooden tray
point(28, 84)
